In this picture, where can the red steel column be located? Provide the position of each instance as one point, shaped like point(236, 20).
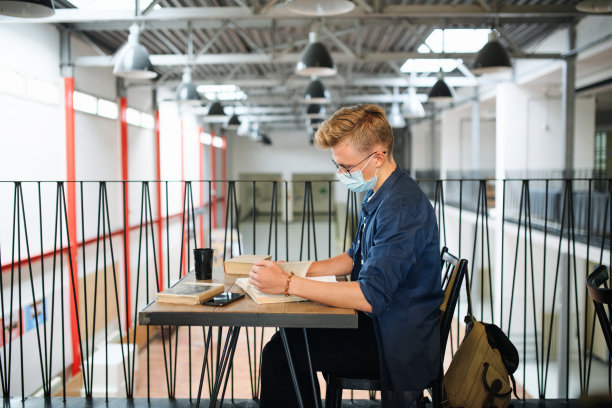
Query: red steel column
point(160, 225)
point(72, 220)
point(201, 150)
point(184, 235)
point(126, 221)
point(224, 175)
point(213, 163)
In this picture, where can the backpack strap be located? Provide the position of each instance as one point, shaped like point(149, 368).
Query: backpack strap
point(493, 390)
point(468, 291)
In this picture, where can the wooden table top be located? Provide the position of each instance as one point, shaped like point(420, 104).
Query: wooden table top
point(246, 313)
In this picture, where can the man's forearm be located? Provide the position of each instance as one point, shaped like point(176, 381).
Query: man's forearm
point(340, 294)
point(338, 265)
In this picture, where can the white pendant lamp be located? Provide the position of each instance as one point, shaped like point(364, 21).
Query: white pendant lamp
point(595, 6)
point(315, 59)
point(27, 8)
point(319, 7)
point(132, 60)
point(395, 118)
point(187, 92)
point(412, 107)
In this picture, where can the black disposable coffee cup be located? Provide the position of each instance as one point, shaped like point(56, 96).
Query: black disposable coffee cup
point(203, 263)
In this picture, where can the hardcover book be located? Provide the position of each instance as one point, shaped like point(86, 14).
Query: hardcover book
point(241, 265)
point(190, 293)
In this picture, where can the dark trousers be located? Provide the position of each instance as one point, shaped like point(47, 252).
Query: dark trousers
point(347, 352)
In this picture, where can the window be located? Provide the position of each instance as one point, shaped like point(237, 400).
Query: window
point(43, 91)
point(455, 40)
point(132, 116)
point(600, 154)
point(107, 109)
point(85, 103)
point(147, 121)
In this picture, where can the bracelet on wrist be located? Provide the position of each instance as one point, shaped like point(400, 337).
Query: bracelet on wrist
point(291, 275)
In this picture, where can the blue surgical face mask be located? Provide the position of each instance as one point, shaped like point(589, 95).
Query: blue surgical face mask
point(355, 182)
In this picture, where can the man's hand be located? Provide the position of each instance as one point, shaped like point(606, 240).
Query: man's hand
point(268, 277)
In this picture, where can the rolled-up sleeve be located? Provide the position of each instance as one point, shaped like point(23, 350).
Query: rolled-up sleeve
point(398, 239)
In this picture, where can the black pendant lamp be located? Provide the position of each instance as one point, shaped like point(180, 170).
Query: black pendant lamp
point(132, 60)
point(440, 92)
point(315, 111)
point(316, 93)
point(314, 123)
point(319, 7)
point(492, 58)
point(233, 123)
point(216, 111)
point(27, 8)
point(315, 60)
point(595, 6)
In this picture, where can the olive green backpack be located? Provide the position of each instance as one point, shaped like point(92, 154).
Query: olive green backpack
point(480, 372)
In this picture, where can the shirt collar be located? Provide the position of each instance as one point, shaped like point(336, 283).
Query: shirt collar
point(372, 200)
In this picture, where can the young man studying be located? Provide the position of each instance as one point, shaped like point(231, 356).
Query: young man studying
point(394, 267)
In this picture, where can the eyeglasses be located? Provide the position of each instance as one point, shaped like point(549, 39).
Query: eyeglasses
point(347, 171)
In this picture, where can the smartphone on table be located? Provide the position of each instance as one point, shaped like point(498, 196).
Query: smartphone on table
point(223, 299)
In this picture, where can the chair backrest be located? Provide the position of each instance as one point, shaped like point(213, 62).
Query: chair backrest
point(601, 296)
point(453, 273)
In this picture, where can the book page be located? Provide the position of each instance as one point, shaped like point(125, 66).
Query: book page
point(298, 268)
point(260, 297)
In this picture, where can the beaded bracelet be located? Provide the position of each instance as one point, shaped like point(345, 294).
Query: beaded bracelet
point(287, 284)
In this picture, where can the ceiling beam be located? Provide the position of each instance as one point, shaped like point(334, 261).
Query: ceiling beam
point(288, 58)
point(414, 12)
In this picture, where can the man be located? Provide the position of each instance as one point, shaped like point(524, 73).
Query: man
point(394, 267)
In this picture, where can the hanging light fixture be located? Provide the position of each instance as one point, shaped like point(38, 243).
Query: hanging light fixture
point(314, 123)
point(187, 92)
point(27, 8)
point(132, 60)
point(492, 58)
point(216, 111)
point(315, 111)
point(595, 6)
point(395, 118)
point(315, 60)
point(412, 107)
point(316, 93)
point(233, 123)
point(319, 7)
point(440, 92)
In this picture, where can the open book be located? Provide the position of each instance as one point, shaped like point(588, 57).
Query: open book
point(298, 268)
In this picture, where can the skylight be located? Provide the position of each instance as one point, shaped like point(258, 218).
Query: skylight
point(111, 4)
point(222, 92)
point(455, 40)
point(429, 65)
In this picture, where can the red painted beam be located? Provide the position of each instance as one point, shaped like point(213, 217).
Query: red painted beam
point(201, 150)
point(224, 174)
point(213, 164)
point(72, 220)
point(184, 233)
point(126, 218)
point(160, 226)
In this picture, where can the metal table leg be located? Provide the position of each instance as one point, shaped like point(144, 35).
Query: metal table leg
point(292, 369)
point(221, 372)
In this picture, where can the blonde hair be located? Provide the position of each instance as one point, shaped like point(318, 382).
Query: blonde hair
point(362, 126)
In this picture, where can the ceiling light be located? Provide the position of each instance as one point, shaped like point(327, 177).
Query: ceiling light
point(187, 93)
point(314, 123)
point(492, 58)
point(27, 8)
point(412, 107)
point(319, 7)
point(316, 111)
point(132, 60)
point(316, 93)
point(595, 6)
point(315, 60)
point(233, 123)
point(395, 118)
point(430, 65)
point(216, 111)
point(440, 92)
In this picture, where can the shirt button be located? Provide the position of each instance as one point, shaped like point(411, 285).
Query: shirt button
point(362, 261)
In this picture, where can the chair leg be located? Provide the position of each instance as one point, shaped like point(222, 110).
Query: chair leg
point(436, 397)
point(329, 396)
point(337, 397)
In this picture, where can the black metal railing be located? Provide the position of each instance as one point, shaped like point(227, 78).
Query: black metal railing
point(79, 259)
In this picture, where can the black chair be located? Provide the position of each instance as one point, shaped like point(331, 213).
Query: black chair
point(453, 272)
point(601, 296)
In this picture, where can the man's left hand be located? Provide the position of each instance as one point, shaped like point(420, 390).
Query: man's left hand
point(268, 277)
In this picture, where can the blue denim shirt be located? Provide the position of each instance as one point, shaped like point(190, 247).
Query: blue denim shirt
point(396, 260)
